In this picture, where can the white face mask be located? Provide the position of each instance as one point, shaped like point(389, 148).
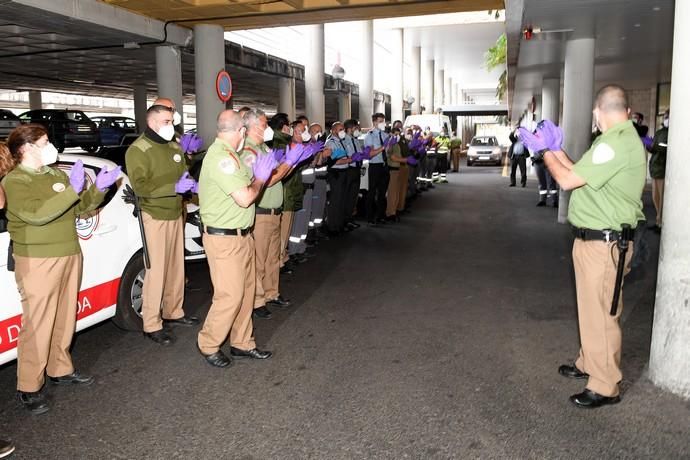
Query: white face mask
point(49, 154)
point(381, 126)
point(177, 118)
point(357, 133)
point(268, 134)
point(291, 132)
point(408, 137)
point(306, 137)
point(167, 132)
point(665, 122)
point(318, 135)
point(341, 134)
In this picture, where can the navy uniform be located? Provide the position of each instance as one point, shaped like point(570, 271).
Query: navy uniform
point(337, 183)
point(378, 177)
point(354, 176)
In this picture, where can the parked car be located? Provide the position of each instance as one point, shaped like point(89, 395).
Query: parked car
point(66, 128)
point(484, 149)
point(113, 129)
point(113, 270)
point(8, 121)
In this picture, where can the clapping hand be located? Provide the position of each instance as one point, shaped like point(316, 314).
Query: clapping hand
point(263, 166)
point(76, 177)
point(106, 178)
point(293, 154)
point(184, 183)
point(552, 134)
point(191, 143)
point(535, 142)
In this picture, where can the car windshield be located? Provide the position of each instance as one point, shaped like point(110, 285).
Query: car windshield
point(74, 116)
point(483, 141)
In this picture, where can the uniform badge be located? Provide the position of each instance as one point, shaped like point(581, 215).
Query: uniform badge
point(58, 187)
point(227, 166)
point(602, 153)
point(249, 160)
point(177, 158)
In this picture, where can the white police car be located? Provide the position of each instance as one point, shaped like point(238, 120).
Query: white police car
point(113, 272)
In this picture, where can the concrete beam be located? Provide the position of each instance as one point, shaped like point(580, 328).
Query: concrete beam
point(103, 14)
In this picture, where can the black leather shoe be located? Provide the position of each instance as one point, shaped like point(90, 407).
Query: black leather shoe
point(75, 378)
point(279, 302)
point(262, 312)
point(6, 448)
point(161, 337)
point(511, 185)
point(184, 321)
point(381, 221)
point(217, 359)
point(541, 204)
point(353, 225)
point(573, 372)
point(253, 353)
point(589, 399)
point(286, 270)
point(35, 402)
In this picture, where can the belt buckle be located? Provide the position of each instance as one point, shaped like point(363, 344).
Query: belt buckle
point(607, 235)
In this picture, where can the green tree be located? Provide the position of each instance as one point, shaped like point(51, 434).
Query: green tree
point(494, 57)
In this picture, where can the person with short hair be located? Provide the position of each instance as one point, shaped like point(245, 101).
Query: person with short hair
point(607, 184)
point(657, 170)
point(378, 170)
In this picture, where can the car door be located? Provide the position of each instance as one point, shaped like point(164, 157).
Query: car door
point(10, 306)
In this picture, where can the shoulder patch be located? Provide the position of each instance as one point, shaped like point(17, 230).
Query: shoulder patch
point(603, 153)
point(249, 159)
point(142, 144)
point(227, 166)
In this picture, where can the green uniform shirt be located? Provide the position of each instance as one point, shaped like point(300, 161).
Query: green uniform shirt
point(271, 197)
point(153, 170)
point(223, 173)
point(394, 150)
point(41, 211)
point(657, 163)
point(614, 169)
point(293, 188)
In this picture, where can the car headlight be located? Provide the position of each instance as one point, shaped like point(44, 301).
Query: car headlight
point(496, 151)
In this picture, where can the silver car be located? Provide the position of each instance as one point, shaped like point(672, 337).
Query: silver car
point(484, 149)
point(8, 121)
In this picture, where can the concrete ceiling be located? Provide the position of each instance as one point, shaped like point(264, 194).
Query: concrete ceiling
point(633, 42)
point(247, 14)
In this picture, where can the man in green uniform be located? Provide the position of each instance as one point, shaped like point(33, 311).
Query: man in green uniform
point(228, 189)
point(607, 184)
point(657, 169)
point(158, 172)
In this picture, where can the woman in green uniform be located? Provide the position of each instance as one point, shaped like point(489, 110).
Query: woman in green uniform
point(42, 204)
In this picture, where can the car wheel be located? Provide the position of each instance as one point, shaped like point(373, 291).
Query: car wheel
point(129, 297)
point(469, 163)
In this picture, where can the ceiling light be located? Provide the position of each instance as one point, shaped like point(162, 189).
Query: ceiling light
point(637, 25)
point(656, 8)
point(622, 38)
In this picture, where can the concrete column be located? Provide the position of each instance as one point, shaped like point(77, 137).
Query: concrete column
point(209, 59)
point(428, 86)
point(447, 90)
point(551, 99)
point(366, 82)
point(439, 82)
point(140, 106)
point(397, 85)
point(578, 94)
point(35, 100)
point(456, 94)
point(313, 75)
point(344, 106)
point(669, 361)
point(287, 103)
point(380, 104)
point(416, 78)
point(169, 75)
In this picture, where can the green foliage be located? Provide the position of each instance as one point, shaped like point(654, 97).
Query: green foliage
point(495, 57)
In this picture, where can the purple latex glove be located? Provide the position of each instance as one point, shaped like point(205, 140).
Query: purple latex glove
point(366, 152)
point(190, 143)
point(535, 142)
point(412, 161)
point(293, 154)
point(184, 183)
point(263, 167)
point(76, 177)
point(552, 133)
point(310, 150)
point(195, 188)
point(414, 143)
point(648, 142)
point(278, 155)
point(106, 178)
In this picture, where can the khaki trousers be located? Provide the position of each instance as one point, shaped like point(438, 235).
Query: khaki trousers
point(286, 219)
point(455, 159)
point(600, 333)
point(164, 281)
point(393, 194)
point(48, 288)
point(658, 198)
point(231, 263)
point(267, 244)
point(402, 186)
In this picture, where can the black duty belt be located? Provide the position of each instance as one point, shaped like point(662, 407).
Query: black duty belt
point(374, 165)
point(588, 234)
point(269, 211)
point(227, 231)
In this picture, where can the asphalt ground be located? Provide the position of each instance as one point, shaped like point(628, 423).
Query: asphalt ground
point(438, 337)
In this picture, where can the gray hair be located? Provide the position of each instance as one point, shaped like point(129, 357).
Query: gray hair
point(251, 118)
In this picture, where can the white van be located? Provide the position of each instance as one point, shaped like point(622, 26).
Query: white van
point(435, 122)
